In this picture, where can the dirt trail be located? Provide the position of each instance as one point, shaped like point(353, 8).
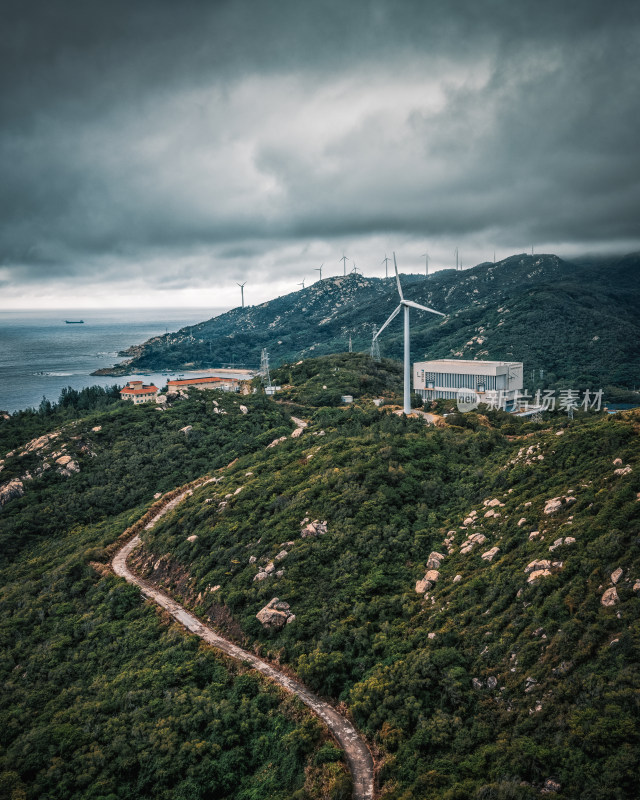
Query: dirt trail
point(356, 751)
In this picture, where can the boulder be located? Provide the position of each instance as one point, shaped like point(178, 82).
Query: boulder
point(269, 568)
point(422, 586)
point(99, 428)
point(541, 564)
point(610, 597)
point(431, 575)
point(493, 503)
point(490, 513)
point(275, 614)
point(282, 554)
point(490, 554)
point(252, 559)
point(431, 635)
point(469, 521)
point(617, 462)
point(477, 538)
point(244, 409)
point(192, 538)
point(298, 432)
point(434, 560)
point(457, 579)
point(521, 521)
point(260, 576)
point(553, 505)
point(186, 430)
point(10, 490)
point(551, 786)
point(315, 528)
point(616, 575)
point(492, 682)
point(538, 573)
point(238, 490)
point(277, 441)
point(476, 683)
point(636, 586)
point(623, 470)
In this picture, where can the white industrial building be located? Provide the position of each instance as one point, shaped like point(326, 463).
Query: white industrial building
point(445, 377)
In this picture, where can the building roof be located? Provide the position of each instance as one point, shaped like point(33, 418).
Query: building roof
point(207, 379)
point(461, 362)
point(149, 389)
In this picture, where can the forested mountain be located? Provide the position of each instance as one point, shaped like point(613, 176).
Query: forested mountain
point(469, 594)
point(579, 323)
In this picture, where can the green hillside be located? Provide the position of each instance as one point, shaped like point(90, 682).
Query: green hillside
point(580, 324)
point(100, 697)
point(470, 594)
point(488, 685)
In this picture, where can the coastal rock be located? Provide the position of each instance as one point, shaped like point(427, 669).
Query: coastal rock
point(610, 597)
point(11, 490)
point(275, 614)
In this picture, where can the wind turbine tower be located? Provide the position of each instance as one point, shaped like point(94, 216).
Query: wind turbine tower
point(241, 285)
point(385, 261)
point(426, 256)
point(319, 269)
point(344, 260)
point(457, 259)
point(405, 305)
point(302, 284)
point(375, 346)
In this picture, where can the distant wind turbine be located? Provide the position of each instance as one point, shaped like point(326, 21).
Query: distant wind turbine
point(242, 285)
point(385, 261)
point(355, 269)
point(319, 269)
point(456, 259)
point(406, 305)
point(426, 255)
point(344, 260)
point(302, 284)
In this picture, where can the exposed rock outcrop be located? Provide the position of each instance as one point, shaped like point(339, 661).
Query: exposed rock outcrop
point(11, 490)
point(275, 615)
point(610, 597)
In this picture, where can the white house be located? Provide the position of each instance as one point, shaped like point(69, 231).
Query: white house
point(445, 377)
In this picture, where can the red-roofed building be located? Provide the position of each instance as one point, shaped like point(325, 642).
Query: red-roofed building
point(208, 382)
point(139, 392)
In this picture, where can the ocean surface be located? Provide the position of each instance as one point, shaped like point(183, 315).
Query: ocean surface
point(40, 354)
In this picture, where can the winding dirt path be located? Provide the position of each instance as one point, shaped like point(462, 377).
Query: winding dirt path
point(356, 751)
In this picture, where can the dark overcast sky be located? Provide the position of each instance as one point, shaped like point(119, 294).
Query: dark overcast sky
point(155, 152)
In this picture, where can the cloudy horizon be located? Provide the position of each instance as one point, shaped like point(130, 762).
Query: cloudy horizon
point(155, 155)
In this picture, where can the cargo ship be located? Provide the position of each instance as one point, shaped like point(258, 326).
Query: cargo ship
point(74, 321)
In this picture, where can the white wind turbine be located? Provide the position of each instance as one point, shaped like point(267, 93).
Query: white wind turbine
point(242, 285)
point(406, 305)
point(319, 269)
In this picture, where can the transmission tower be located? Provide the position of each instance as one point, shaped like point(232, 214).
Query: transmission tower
point(375, 347)
point(264, 367)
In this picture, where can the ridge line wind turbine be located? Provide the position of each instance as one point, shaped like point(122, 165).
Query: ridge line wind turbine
point(385, 261)
point(406, 305)
point(319, 269)
point(426, 255)
point(241, 285)
point(302, 284)
point(344, 260)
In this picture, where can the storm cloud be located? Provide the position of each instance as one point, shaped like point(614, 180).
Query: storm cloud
point(168, 150)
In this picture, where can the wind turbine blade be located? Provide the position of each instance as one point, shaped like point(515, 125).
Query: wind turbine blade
point(422, 308)
point(397, 277)
point(394, 314)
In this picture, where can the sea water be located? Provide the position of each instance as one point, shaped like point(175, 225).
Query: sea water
point(40, 354)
